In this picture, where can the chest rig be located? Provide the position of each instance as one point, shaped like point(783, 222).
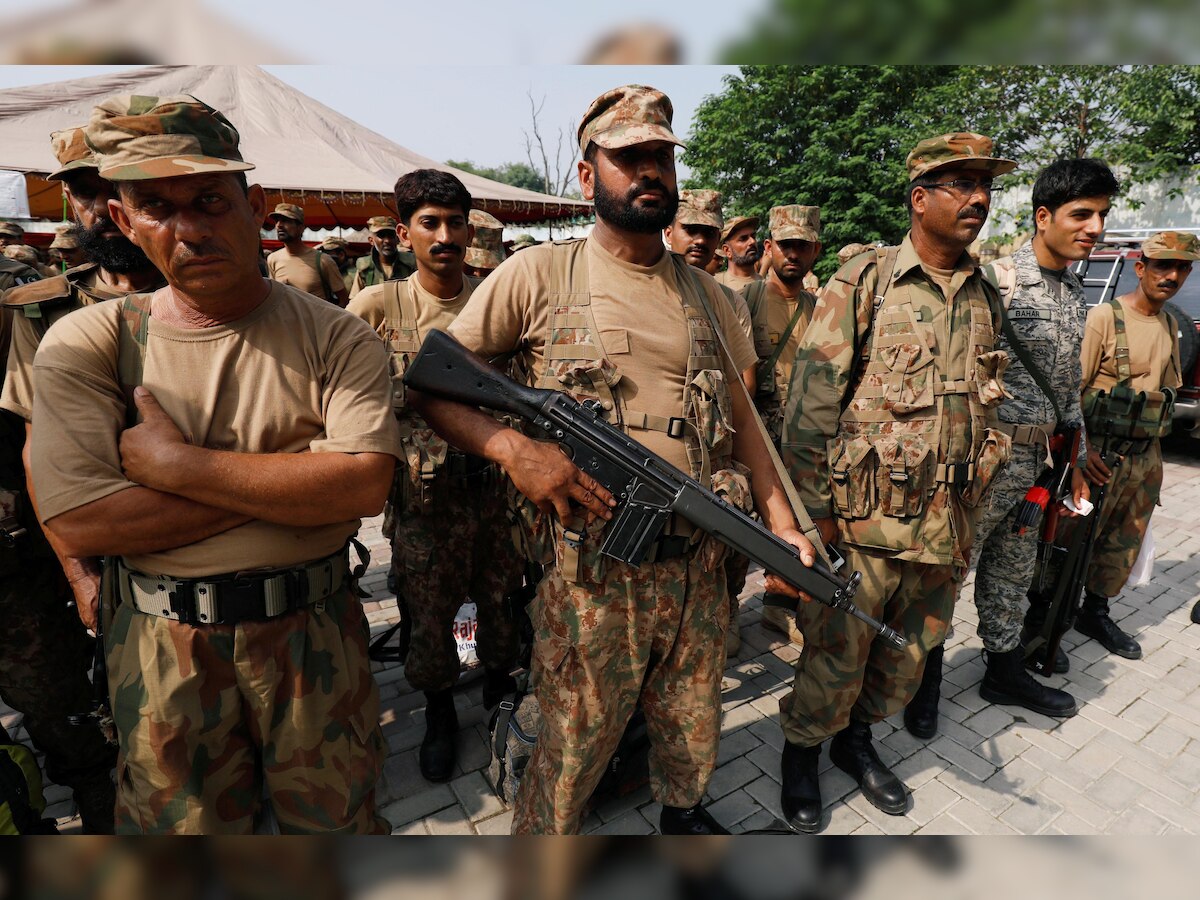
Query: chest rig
point(576, 362)
point(1137, 417)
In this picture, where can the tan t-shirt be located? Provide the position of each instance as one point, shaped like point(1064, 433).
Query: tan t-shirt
point(432, 311)
point(300, 271)
point(735, 282)
point(1153, 349)
point(640, 316)
point(18, 380)
point(295, 374)
point(779, 313)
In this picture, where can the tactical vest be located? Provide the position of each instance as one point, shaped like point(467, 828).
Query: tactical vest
point(576, 362)
point(45, 302)
point(1120, 412)
point(770, 396)
point(370, 273)
point(886, 461)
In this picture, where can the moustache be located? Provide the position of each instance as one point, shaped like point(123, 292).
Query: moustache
point(644, 186)
point(197, 251)
point(1168, 285)
point(973, 211)
point(445, 248)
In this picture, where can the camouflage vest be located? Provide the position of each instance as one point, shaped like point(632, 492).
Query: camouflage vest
point(890, 478)
point(369, 271)
point(45, 302)
point(1120, 412)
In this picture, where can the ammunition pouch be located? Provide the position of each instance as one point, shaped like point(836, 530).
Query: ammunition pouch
point(991, 456)
point(905, 475)
point(1124, 414)
point(433, 466)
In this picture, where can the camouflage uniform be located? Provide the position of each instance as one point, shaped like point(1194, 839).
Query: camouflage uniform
point(486, 250)
point(1051, 329)
point(369, 269)
point(280, 697)
point(904, 469)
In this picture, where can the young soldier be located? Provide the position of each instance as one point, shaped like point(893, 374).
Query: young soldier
point(219, 439)
point(891, 440)
point(299, 265)
point(1130, 348)
point(452, 539)
point(387, 261)
point(640, 341)
point(740, 246)
point(1044, 305)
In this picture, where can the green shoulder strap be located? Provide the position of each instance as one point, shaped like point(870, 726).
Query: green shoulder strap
point(753, 292)
point(769, 365)
point(133, 326)
point(1121, 339)
point(991, 276)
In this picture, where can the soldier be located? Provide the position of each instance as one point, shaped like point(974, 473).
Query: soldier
point(387, 260)
point(486, 250)
point(1130, 346)
point(890, 440)
point(11, 233)
point(640, 342)
point(740, 247)
point(522, 242)
point(66, 245)
point(452, 537)
point(694, 235)
point(28, 256)
point(300, 265)
point(218, 440)
point(850, 251)
point(1044, 304)
point(50, 677)
point(339, 251)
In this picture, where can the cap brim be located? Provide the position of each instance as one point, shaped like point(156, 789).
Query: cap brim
point(277, 215)
point(731, 227)
point(381, 230)
point(1171, 254)
point(795, 234)
point(173, 167)
point(75, 166)
point(691, 217)
point(628, 135)
point(994, 164)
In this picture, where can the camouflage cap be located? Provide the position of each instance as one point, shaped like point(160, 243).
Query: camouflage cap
point(795, 223)
point(11, 229)
point(736, 224)
point(376, 224)
point(521, 241)
point(71, 151)
point(481, 219)
point(486, 250)
point(65, 238)
point(136, 138)
point(624, 116)
point(850, 251)
point(334, 243)
point(23, 253)
point(700, 208)
point(287, 211)
point(964, 149)
point(1171, 245)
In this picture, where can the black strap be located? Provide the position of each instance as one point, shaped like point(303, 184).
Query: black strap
point(329, 295)
point(1022, 352)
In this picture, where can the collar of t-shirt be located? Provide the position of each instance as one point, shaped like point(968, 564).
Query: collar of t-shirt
point(458, 300)
point(941, 277)
point(661, 269)
point(1053, 279)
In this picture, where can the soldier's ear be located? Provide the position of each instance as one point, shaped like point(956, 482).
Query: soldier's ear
point(1041, 218)
point(587, 183)
point(116, 212)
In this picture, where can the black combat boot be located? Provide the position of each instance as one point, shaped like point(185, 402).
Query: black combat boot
point(1007, 683)
point(96, 801)
point(497, 684)
point(1094, 621)
point(921, 714)
point(693, 820)
point(1035, 618)
point(801, 795)
point(1196, 613)
point(436, 756)
point(852, 752)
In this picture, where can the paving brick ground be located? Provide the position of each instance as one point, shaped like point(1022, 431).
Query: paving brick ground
point(1128, 763)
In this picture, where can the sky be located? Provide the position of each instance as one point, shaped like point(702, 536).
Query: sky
point(478, 113)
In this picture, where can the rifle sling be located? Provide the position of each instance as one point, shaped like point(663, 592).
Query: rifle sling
point(769, 365)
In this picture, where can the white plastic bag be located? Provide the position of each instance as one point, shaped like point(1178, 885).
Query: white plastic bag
point(1143, 567)
point(465, 625)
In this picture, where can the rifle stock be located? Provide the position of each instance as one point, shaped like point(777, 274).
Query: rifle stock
point(647, 488)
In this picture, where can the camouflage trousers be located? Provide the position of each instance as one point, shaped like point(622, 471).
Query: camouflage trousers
point(45, 660)
point(843, 672)
point(460, 548)
point(1006, 560)
point(205, 715)
point(1124, 517)
point(653, 633)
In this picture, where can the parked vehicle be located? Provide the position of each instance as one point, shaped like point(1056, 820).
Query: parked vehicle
point(1109, 273)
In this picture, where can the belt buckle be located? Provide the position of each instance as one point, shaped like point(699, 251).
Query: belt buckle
point(205, 598)
point(675, 427)
point(183, 602)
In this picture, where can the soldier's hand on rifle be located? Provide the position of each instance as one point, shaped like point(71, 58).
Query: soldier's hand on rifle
point(808, 555)
point(1079, 492)
point(544, 474)
point(1096, 471)
point(147, 449)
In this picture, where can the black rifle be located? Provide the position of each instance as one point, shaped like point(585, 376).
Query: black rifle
point(647, 488)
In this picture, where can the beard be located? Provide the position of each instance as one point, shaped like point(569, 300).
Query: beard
point(623, 214)
point(116, 254)
point(749, 259)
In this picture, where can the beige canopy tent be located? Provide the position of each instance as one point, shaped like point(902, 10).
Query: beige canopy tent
point(306, 153)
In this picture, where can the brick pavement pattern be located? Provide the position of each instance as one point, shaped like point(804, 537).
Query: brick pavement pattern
point(1129, 763)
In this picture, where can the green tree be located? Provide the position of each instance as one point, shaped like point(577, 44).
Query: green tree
point(518, 174)
point(828, 136)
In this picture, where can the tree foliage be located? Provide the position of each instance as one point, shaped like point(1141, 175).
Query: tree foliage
point(837, 136)
point(518, 174)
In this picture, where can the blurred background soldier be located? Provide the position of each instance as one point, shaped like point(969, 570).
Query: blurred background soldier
point(896, 374)
point(339, 251)
point(522, 242)
point(1043, 301)
point(300, 265)
point(452, 538)
point(387, 261)
point(740, 245)
point(486, 250)
point(850, 251)
point(11, 233)
point(1130, 347)
point(65, 252)
point(28, 256)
